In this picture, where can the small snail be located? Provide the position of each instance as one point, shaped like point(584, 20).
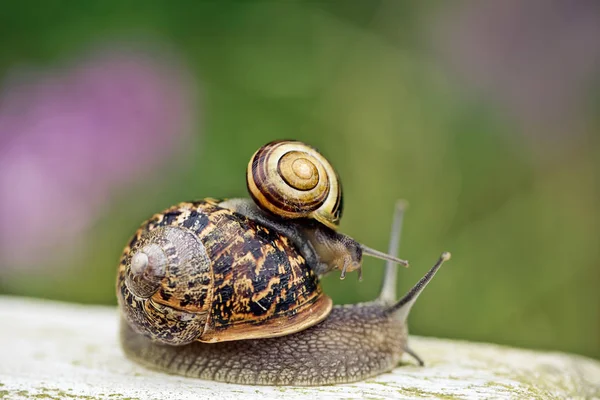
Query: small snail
point(353, 343)
point(293, 180)
point(297, 192)
point(246, 274)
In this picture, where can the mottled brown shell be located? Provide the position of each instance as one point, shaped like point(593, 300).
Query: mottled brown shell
point(215, 275)
point(293, 180)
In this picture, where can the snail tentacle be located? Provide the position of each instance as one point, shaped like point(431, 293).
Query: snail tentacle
point(402, 307)
point(387, 294)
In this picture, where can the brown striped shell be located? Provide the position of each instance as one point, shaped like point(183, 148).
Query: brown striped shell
point(199, 272)
point(293, 180)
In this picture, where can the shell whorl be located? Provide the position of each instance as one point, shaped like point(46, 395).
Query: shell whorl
point(157, 271)
point(293, 180)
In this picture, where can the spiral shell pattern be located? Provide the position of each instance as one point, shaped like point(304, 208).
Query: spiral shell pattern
point(293, 180)
point(199, 272)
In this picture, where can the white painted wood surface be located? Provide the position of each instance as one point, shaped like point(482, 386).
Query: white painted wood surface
point(52, 350)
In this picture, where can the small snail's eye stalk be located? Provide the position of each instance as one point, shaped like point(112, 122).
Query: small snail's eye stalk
point(338, 251)
point(355, 261)
point(381, 255)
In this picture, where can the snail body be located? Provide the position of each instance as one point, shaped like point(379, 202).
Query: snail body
point(354, 343)
point(200, 272)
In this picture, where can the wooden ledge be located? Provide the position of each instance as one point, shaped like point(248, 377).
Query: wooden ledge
point(52, 350)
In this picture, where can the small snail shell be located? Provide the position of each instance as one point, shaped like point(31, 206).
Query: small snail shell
point(199, 272)
point(293, 180)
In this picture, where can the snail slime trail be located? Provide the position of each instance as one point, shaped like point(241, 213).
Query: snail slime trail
point(229, 290)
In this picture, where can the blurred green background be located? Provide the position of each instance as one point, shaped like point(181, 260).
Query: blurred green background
point(482, 116)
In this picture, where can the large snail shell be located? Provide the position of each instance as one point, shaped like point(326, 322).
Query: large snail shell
point(201, 272)
point(293, 180)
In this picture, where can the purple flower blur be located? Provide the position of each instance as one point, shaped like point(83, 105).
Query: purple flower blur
point(538, 58)
point(70, 137)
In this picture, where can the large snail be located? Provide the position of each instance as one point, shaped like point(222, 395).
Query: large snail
point(235, 273)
